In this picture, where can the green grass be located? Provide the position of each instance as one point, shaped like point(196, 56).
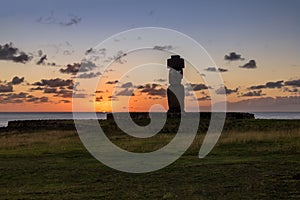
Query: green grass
point(245, 164)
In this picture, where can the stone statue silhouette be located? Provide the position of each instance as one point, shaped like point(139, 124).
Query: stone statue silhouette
point(175, 90)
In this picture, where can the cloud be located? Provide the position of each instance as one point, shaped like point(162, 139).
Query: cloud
point(51, 19)
point(73, 20)
point(90, 50)
point(54, 82)
point(153, 90)
point(64, 101)
point(16, 80)
point(6, 88)
point(127, 85)
point(75, 68)
point(163, 48)
point(36, 88)
point(40, 53)
point(96, 54)
point(214, 69)
point(226, 91)
point(42, 60)
point(277, 84)
point(69, 94)
point(119, 58)
point(50, 90)
point(250, 65)
point(257, 87)
point(198, 87)
point(47, 20)
point(21, 98)
point(270, 85)
point(89, 75)
point(112, 82)
point(160, 80)
point(34, 99)
point(253, 94)
point(233, 57)
point(205, 98)
point(266, 104)
point(99, 91)
point(112, 98)
point(71, 69)
point(99, 99)
point(125, 92)
point(293, 90)
point(13, 98)
point(294, 83)
point(10, 53)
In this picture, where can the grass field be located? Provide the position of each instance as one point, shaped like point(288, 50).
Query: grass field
point(256, 162)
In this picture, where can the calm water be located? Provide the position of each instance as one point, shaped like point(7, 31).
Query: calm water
point(5, 117)
point(277, 115)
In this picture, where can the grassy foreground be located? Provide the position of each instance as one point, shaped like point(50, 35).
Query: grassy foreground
point(248, 164)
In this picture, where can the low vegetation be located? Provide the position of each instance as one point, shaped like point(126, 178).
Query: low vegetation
point(251, 161)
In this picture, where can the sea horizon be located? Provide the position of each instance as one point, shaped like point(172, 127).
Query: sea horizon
point(5, 117)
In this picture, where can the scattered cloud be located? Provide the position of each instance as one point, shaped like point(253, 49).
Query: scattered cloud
point(277, 84)
point(205, 98)
point(40, 53)
point(112, 82)
point(89, 75)
point(90, 50)
point(293, 90)
point(153, 90)
point(127, 85)
point(119, 58)
point(96, 54)
point(36, 88)
point(253, 94)
point(226, 91)
point(16, 80)
point(51, 19)
point(6, 88)
point(50, 90)
point(198, 87)
point(125, 92)
point(233, 57)
point(160, 80)
point(57, 82)
point(294, 83)
point(214, 69)
point(21, 98)
point(71, 69)
point(257, 87)
point(269, 85)
point(99, 99)
point(99, 91)
point(250, 65)
point(73, 20)
point(163, 48)
point(10, 53)
point(42, 60)
point(64, 101)
point(266, 104)
point(47, 20)
point(112, 98)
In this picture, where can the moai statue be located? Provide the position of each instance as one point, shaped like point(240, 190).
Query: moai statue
point(175, 90)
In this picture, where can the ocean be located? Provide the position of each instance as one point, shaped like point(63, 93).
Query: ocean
point(13, 116)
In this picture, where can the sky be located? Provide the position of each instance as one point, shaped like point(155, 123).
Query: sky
point(254, 44)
